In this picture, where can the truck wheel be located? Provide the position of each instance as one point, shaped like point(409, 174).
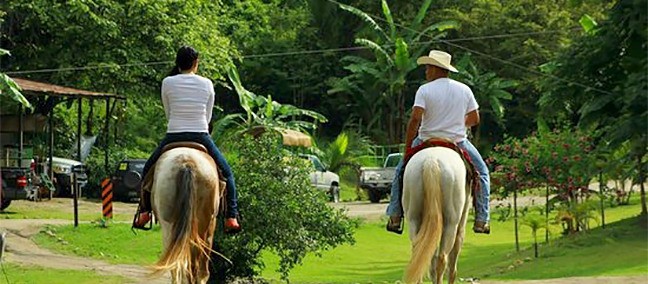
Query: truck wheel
point(334, 192)
point(374, 196)
point(5, 202)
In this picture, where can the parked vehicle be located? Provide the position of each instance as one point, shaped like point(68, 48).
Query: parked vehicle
point(16, 184)
point(323, 179)
point(63, 176)
point(127, 179)
point(15, 175)
point(377, 181)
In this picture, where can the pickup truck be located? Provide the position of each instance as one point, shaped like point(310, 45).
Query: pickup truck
point(377, 180)
point(15, 183)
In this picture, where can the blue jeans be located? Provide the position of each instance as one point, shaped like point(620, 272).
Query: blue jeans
point(204, 139)
point(395, 207)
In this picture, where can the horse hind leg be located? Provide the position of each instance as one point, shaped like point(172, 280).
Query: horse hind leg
point(438, 267)
point(458, 243)
point(441, 259)
point(454, 256)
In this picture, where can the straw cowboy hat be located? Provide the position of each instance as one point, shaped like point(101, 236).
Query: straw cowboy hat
point(437, 58)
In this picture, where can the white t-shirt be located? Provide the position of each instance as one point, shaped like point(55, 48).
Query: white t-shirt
point(188, 100)
point(446, 103)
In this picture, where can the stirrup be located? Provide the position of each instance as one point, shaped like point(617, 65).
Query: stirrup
point(144, 226)
point(391, 227)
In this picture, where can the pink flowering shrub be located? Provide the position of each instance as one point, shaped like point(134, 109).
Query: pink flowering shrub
point(561, 159)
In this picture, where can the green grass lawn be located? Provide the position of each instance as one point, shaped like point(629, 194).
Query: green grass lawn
point(22, 209)
point(379, 257)
point(18, 274)
point(114, 244)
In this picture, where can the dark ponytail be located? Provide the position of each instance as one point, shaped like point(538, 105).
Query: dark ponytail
point(184, 60)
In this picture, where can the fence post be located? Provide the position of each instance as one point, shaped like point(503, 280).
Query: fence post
point(106, 198)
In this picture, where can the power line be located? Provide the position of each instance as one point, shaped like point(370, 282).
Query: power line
point(508, 62)
point(81, 68)
point(288, 53)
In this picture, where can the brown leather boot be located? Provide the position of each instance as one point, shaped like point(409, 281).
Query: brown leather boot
point(481, 227)
point(395, 224)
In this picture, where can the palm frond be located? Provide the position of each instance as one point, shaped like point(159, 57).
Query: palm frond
point(390, 19)
point(379, 50)
point(416, 23)
point(440, 27)
point(365, 17)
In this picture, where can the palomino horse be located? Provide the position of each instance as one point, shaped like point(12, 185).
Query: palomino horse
point(185, 197)
point(435, 202)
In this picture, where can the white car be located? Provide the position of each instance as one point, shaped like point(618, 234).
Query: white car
point(62, 169)
point(324, 179)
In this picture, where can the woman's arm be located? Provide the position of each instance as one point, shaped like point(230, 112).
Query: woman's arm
point(165, 99)
point(210, 103)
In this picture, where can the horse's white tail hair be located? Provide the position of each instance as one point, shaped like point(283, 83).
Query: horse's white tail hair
point(429, 234)
point(185, 240)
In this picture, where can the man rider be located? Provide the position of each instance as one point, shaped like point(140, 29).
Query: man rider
point(443, 108)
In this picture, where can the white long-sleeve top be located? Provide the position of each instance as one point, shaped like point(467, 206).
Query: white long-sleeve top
point(188, 100)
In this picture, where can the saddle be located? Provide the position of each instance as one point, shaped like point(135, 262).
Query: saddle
point(147, 181)
point(472, 177)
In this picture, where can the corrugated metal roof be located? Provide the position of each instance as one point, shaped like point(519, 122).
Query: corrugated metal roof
point(38, 87)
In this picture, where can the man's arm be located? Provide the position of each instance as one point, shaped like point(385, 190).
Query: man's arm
point(413, 125)
point(472, 118)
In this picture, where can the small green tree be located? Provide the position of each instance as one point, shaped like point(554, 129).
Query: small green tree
point(281, 212)
point(344, 151)
point(535, 222)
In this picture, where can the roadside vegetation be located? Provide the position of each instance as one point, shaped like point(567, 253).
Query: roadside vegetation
point(561, 87)
point(379, 256)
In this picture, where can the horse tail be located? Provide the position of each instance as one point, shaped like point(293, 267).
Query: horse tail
point(429, 234)
point(184, 240)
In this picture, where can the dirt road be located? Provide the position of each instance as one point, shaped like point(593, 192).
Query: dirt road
point(21, 249)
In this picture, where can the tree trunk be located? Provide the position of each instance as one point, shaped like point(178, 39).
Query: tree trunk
point(601, 197)
point(547, 214)
point(574, 203)
point(535, 242)
point(400, 121)
point(515, 218)
point(642, 178)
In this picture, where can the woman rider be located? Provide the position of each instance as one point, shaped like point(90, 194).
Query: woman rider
point(188, 100)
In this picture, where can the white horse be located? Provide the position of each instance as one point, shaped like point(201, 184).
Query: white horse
point(436, 203)
point(185, 197)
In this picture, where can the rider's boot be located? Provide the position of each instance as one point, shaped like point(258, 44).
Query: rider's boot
point(481, 227)
point(232, 226)
point(395, 224)
point(143, 216)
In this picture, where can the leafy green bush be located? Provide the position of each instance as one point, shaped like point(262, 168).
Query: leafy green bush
point(280, 211)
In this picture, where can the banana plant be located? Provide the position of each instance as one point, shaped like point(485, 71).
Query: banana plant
point(263, 111)
point(9, 88)
point(375, 86)
point(489, 90)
